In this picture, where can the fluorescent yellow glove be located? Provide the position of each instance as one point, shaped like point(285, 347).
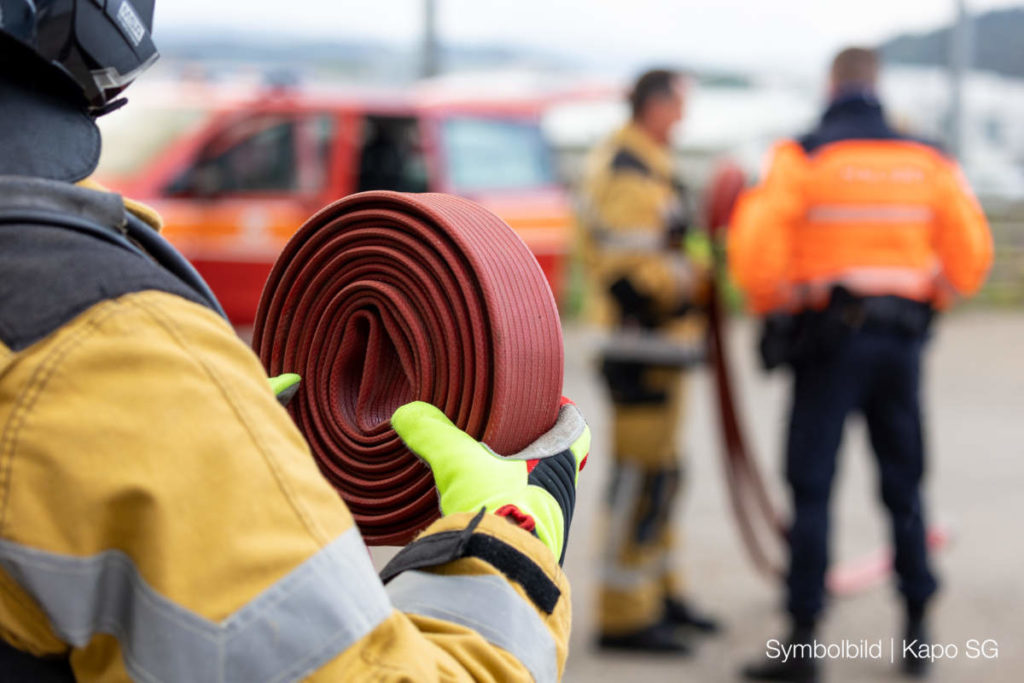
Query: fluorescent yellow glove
point(536, 487)
point(285, 386)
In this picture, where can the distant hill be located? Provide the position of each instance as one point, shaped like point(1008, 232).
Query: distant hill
point(377, 60)
point(372, 59)
point(998, 44)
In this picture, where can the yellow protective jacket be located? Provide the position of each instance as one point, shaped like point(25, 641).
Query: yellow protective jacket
point(628, 201)
point(878, 216)
point(161, 518)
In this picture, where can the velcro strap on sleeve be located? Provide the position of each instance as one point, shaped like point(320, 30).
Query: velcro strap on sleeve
point(432, 550)
point(516, 566)
point(448, 546)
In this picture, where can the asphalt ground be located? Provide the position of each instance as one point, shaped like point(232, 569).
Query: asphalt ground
point(974, 397)
point(974, 401)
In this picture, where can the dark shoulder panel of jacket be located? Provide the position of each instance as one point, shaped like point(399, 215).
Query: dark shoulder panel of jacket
point(49, 274)
point(625, 160)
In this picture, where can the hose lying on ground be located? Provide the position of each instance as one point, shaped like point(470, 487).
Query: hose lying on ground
point(384, 298)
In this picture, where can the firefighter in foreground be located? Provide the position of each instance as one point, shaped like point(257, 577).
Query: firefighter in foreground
point(162, 519)
point(855, 237)
point(633, 219)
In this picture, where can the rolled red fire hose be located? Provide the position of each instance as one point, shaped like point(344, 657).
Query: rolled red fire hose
point(384, 298)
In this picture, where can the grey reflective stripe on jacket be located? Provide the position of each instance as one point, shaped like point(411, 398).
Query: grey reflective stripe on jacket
point(300, 623)
point(870, 213)
point(637, 240)
point(489, 605)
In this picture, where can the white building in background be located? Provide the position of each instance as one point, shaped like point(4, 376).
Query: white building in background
point(742, 122)
point(994, 122)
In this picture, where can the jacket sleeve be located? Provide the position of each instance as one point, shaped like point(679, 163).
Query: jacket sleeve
point(163, 520)
point(962, 238)
point(760, 239)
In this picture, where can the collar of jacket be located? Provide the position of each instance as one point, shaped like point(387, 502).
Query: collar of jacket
point(39, 194)
point(853, 103)
point(46, 131)
point(144, 212)
point(657, 157)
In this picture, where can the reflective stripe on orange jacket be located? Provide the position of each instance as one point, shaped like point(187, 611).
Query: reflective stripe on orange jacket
point(880, 216)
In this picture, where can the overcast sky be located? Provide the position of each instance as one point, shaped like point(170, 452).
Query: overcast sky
point(766, 34)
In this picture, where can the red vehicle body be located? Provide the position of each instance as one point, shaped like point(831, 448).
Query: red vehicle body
point(234, 177)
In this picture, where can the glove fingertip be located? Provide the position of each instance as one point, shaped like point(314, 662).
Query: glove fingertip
point(415, 412)
point(283, 382)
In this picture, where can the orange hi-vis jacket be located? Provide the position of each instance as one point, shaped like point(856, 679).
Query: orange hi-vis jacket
point(878, 216)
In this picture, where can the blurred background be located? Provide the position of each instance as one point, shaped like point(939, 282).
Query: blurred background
point(260, 112)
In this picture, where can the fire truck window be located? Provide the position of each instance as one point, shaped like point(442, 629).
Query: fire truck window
point(391, 156)
point(495, 154)
point(316, 141)
point(254, 155)
point(263, 161)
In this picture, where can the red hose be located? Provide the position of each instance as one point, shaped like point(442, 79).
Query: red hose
point(760, 524)
point(384, 298)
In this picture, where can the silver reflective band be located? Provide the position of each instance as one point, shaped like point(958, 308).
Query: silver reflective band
point(912, 283)
point(110, 78)
point(303, 621)
point(628, 488)
point(615, 575)
point(870, 213)
point(641, 240)
point(646, 347)
point(488, 605)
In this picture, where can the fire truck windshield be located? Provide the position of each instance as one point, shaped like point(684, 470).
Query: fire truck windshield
point(484, 154)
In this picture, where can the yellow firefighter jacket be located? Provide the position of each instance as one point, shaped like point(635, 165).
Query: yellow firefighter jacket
point(161, 518)
point(628, 204)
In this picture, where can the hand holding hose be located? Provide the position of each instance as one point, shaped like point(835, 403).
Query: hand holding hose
point(535, 488)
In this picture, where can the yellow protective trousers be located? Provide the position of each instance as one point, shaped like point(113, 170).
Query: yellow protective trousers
point(636, 571)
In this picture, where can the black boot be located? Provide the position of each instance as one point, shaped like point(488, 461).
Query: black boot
point(799, 667)
point(682, 613)
point(916, 630)
point(659, 638)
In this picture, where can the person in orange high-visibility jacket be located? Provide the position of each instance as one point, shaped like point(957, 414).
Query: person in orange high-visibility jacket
point(878, 216)
point(161, 517)
point(854, 237)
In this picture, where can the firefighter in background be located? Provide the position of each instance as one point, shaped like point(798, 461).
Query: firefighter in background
point(163, 519)
point(854, 238)
point(633, 220)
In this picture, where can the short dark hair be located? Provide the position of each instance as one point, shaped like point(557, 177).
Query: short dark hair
point(651, 84)
point(855, 66)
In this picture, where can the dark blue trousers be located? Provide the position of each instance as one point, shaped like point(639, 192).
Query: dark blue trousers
point(877, 374)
